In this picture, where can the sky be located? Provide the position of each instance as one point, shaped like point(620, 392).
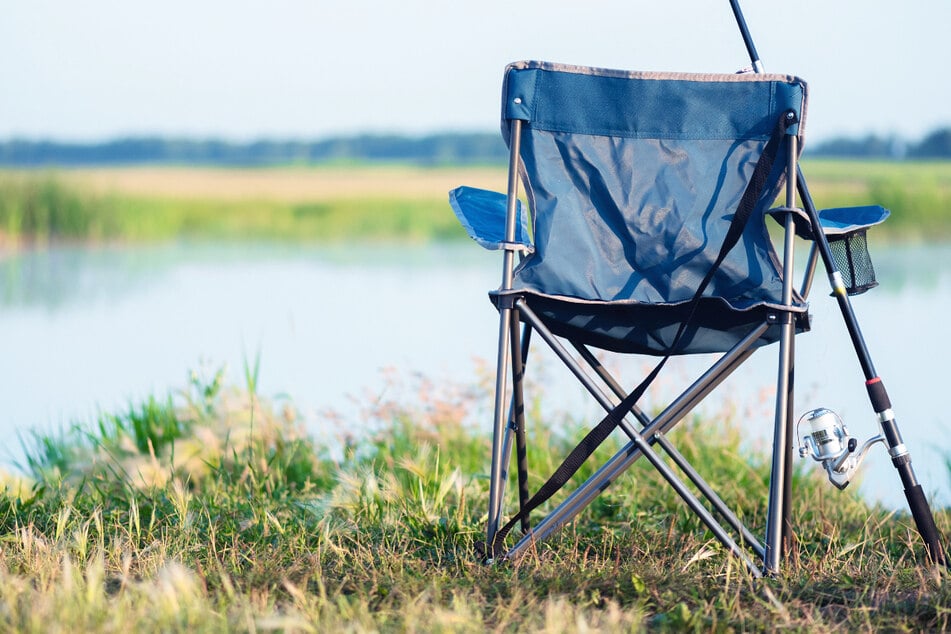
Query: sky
point(247, 69)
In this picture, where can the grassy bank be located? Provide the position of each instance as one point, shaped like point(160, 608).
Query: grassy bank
point(320, 204)
point(917, 193)
point(212, 511)
point(365, 202)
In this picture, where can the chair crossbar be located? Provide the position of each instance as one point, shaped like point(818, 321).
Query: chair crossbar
point(682, 463)
point(641, 442)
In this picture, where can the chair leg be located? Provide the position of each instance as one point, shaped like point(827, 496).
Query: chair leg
point(513, 422)
point(507, 312)
point(499, 428)
point(517, 415)
point(788, 536)
point(777, 513)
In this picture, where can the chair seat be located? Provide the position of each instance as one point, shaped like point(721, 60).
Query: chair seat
point(638, 328)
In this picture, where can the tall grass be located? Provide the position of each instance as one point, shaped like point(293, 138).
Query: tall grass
point(42, 207)
point(371, 203)
point(46, 207)
point(232, 519)
point(917, 193)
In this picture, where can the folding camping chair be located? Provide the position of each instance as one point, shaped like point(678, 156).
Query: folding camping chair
point(648, 195)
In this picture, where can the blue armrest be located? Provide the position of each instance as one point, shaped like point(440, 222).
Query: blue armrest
point(842, 220)
point(483, 212)
point(838, 221)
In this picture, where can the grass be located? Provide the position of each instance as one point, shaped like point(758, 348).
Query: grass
point(213, 511)
point(320, 204)
point(917, 193)
point(334, 203)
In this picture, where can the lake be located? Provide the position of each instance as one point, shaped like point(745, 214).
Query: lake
point(90, 329)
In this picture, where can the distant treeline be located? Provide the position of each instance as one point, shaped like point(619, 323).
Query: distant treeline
point(435, 149)
point(935, 145)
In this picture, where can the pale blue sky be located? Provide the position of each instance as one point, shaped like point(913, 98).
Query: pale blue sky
point(245, 69)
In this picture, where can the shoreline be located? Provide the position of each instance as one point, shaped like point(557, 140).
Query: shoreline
point(367, 202)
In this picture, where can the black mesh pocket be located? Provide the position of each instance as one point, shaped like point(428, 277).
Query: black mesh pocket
point(850, 252)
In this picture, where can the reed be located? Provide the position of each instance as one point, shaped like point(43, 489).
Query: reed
point(917, 193)
point(43, 207)
point(362, 202)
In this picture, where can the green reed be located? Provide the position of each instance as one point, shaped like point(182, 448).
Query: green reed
point(42, 206)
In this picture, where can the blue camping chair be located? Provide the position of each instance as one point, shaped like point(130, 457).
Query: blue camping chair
point(646, 233)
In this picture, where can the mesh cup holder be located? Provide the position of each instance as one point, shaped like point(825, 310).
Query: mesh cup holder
point(850, 252)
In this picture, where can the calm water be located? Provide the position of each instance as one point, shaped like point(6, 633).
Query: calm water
point(84, 330)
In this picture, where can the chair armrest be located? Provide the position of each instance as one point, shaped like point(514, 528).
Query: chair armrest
point(838, 221)
point(845, 220)
point(483, 214)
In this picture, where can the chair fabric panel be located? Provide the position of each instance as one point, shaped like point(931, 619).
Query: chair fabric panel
point(590, 246)
point(562, 98)
point(633, 180)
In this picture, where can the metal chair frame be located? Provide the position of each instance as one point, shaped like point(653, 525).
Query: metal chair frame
point(646, 434)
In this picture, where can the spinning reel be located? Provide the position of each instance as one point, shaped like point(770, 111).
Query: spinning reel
point(828, 441)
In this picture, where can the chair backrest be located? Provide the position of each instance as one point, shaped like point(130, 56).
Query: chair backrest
point(633, 178)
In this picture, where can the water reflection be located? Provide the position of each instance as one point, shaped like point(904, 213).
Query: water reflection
point(56, 278)
point(86, 329)
point(63, 276)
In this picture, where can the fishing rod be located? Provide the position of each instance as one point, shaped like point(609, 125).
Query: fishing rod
point(878, 396)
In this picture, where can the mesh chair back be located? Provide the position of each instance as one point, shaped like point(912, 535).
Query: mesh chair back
point(632, 180)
